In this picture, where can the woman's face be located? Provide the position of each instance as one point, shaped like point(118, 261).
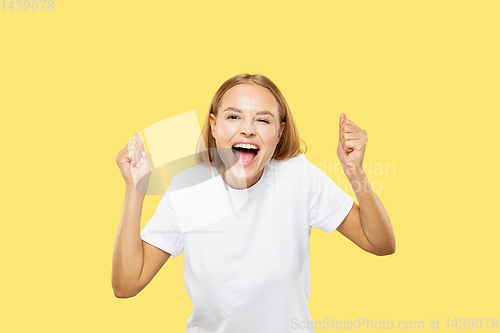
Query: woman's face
point(247, 113)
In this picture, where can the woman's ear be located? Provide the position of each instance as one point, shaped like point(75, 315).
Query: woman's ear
point(212, 124)
point(282, 127)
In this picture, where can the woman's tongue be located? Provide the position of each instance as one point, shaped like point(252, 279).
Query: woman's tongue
point(244, 154)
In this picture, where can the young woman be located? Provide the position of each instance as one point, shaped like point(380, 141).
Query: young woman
point(244, 230)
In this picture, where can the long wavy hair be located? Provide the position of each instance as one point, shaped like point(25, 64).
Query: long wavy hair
point(290, 141)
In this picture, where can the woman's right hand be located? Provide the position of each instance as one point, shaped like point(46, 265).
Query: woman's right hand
point(133, 163)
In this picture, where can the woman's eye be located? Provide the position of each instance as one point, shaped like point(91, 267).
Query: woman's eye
point(232, 115)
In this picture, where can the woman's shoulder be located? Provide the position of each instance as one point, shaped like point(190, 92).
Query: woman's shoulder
point(300, 160)
point(297, 165)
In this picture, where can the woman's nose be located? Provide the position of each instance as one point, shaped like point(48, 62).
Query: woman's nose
point(247, 128)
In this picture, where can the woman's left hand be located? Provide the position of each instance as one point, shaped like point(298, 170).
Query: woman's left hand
point(351, 147)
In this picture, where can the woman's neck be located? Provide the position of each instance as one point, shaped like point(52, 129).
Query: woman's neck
point(238, 183)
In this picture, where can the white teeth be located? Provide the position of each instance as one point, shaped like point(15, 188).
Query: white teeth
point(245, 145)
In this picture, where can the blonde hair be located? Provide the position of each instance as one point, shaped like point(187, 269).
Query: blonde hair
point(289, 144)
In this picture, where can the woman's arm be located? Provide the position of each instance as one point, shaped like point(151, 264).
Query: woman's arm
point(367, 224)
point(128, 253)
point(135, 262)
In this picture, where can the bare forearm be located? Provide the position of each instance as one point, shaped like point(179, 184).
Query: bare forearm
point(374, 218)
point(128, 257)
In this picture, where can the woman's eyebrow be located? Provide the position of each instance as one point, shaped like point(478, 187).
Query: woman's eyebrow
point(239, 111)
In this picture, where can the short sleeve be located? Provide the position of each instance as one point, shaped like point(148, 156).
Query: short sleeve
point(329, 204)
point(162, 230)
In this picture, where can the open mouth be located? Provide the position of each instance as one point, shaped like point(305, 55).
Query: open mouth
point(245, 155)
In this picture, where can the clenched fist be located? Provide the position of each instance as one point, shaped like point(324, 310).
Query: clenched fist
point(134, 164)
point(352, 146)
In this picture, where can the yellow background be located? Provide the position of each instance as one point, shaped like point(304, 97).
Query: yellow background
point(421, 77)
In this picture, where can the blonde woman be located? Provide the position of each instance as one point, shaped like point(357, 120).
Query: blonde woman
point(244, 231)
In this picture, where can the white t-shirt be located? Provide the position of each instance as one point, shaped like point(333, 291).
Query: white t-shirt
point(246, 252)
